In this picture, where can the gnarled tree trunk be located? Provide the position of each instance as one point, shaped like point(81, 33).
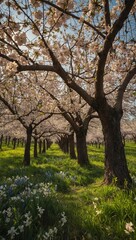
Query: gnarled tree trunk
point(27, 146)
point(115, 159)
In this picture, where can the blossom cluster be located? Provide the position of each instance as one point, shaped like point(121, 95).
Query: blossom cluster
point(65, 4)
point(11, 69)
point(21, 38)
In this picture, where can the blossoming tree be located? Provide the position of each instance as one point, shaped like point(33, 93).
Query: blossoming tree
point(25, 103)
point(90, 46)
point(78, 114)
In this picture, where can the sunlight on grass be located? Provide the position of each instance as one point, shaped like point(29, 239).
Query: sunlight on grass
point(58, 199)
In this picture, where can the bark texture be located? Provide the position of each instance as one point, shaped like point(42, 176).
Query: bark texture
point(35, 148)
point(115, 159)
point(72, 146)
point(82, 155)
point(27, 146)
point(44, 146)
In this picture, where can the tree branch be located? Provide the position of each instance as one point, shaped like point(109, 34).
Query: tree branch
point(123, 87)
point(73, 16)
point(89, 116)
point(107, 13)
point(35, 67)
point(13, 111)
point(107, 46)
point(8, 58)
point(42, 120)
point(63, 111)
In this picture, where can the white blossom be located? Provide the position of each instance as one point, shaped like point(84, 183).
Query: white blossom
point(12, 232)
point(11, 68)
point(129, 228)
point(40, 211)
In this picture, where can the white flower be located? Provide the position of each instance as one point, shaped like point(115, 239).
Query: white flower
point(40, 211)
point(96, 199)
point(9, 212)
point(49, 235)
point(98, 212)
point(50, 231)
point(21, 228)
point(2, 193)
point(27, 215)
point(129, 227)
point(63, 219)
point(7, 220)
point(95, 205)
point(55, 230)
point(28, 220)
point(12, 232)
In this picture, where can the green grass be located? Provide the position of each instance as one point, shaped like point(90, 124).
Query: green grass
point(93, 211)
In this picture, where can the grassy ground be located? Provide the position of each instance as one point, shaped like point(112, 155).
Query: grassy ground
point(92, 211)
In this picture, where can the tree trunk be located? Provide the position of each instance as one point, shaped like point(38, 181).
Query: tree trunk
point(44, 146)
point(134, 137)
point(27, 146)
point(14, 141)
point(35, 148)
point(6, 140)
point(48, 141)
point(18, 142)
point(72, 146)
point(82, 154)
point(40, 146)
point(1, 141)
point(22, 142)
point(115, 159)
point(65, 144)
point(8, 143)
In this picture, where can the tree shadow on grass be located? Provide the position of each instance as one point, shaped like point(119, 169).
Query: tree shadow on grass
point(54, 166)
point(8, 165)
point(61, 178)
point(72, 170)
